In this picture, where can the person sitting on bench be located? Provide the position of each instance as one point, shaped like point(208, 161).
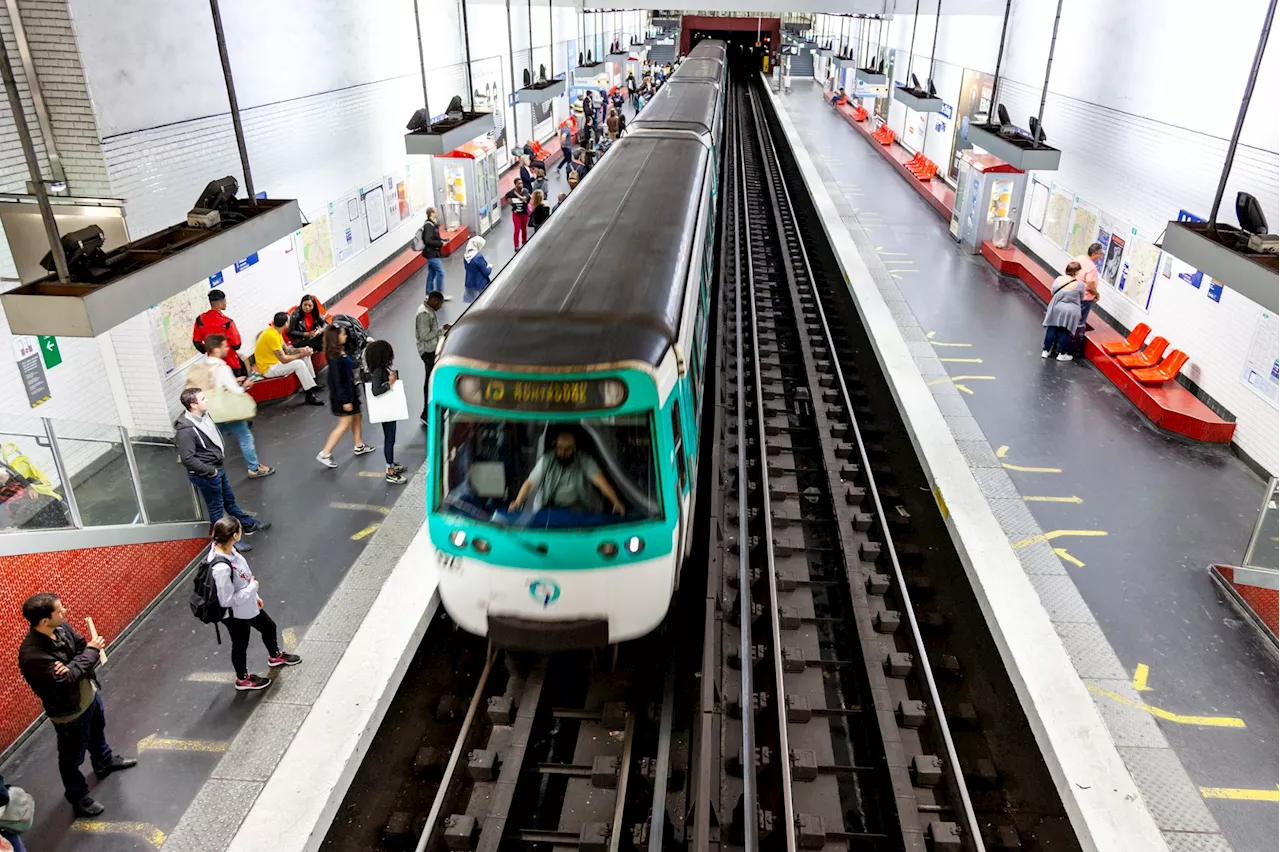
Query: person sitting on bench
point(307, 324)
point(840, 99)
point(273, 358)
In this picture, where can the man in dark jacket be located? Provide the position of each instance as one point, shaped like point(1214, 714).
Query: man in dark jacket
point(58, 664)
point(432, 243)
point(200, 448)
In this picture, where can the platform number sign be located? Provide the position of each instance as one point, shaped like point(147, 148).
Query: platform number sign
point(50, 352)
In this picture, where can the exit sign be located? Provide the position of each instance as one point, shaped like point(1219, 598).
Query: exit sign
point(49, 349)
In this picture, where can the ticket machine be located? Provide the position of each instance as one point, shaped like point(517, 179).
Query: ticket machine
point(988, 201)
point(466, 186)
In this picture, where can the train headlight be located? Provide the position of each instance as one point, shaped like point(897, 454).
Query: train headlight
point(480, 545)
point(634, 545)
point(608, 549)
point(458, 538)
point(615, 393)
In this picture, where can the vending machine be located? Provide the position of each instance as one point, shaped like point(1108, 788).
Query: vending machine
point(466, 186)
point(988, 201)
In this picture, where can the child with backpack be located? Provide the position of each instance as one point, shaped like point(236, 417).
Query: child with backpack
point(226, 592)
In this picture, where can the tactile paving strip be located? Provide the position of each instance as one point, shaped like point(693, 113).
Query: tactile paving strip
point(1122, 710)
point(1194, 842)
point(1015, 519)
point(1090, 651)
point(258, 747)
point(994, 482)
point(1039, 558)
point(302, 684)
point(1173, 800)
point(967, 429)
point(214, 816)
point(1061, 598)
point(978, 454)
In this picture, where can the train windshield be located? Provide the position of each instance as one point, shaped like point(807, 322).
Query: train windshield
point(549, 474)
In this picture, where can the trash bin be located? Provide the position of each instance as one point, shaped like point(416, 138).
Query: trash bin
point(1003, 232)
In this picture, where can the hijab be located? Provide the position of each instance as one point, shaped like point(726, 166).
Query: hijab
point(474, 247)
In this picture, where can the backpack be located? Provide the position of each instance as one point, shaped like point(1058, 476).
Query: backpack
point(204, 596)
point(418, 244)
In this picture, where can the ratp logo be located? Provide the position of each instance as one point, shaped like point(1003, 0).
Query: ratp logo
point(545, 592)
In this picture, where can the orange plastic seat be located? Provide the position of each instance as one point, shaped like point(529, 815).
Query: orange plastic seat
point(1167, 371)
point(1148, 357)
point(1130, 344)
point(927, 172)
point(859, 113)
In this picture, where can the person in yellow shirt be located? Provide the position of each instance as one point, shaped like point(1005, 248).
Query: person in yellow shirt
point(272, 357)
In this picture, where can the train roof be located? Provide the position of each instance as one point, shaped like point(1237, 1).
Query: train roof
point(700, 68)
point(603, 281)
point(709, 47)
point(681, 105)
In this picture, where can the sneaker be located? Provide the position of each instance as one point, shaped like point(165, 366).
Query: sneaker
point(399, 468)
point(395, 478)
point(326, 460)
point(260, 526)
point(243, 546)
point(252, 683)
point(265, 470)
point(365, 449)
point(1044, 353)
point(284, 659)
point(1065, 357)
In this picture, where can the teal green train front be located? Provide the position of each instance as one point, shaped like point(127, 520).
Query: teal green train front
point(489, 430)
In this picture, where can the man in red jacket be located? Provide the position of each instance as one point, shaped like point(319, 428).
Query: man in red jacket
point(214, 321)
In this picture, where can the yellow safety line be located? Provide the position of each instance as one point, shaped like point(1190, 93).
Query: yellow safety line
point(155, 742)
point(1240, 794)
point(1177, 718)
point(144, 830)
point(1140, 675)
point(289, 638)
point(1019, 467)
point(961, 379)
point(1062, 554)
point(1053, 499)
point(366, 532)
point(963, 345)
point(961, 360)
point(362, 507)
point(1050, 536)
point(211, 677)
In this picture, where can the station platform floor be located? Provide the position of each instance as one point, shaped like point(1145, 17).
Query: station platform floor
point(204, 750)
point(1116, 523)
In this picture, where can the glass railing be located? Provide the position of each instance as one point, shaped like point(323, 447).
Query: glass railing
point(1264, 545)
point(69, 474)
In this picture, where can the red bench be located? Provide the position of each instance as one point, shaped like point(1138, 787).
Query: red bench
point(371, 291)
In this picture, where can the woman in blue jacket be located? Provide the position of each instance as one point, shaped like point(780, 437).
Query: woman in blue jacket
point(344, 397)
point(478, 269)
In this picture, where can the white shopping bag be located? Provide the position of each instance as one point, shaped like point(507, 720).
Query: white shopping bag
point(392, 405)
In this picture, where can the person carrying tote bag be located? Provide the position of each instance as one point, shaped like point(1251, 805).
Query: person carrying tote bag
point(230, 405)
point(387, 402)
point(17, 813)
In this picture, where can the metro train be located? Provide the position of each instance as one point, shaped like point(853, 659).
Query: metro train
point(566, 402)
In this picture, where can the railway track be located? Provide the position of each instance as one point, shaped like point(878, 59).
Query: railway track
point(842, 740)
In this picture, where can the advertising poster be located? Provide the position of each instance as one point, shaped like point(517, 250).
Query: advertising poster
point(489, 95)
point(455, 189)
point(1038, 206)
point(882, 106)
point(975, 104)
point(1262, 367)
point(375, 211)
point(1111, 265)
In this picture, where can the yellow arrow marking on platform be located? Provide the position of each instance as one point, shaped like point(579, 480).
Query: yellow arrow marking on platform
point(939, 343)
point(1003, 451)
point(289, 638)
point(891, 253)
point(961, 379)
point(1240, 794)
point(144, 830)
point(362, 507)
point(908, 262)
point(896, 272)
point(1053, 499)
point(1140, 675)
point(961, 360)
point(155, 742)
point(1052, 534)
point(211, 677)
point(1062, 554)
point(1177, 718)
point(366, 532)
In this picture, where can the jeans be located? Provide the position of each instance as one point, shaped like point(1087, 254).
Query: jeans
point(220, 499)
point(238, 630)
point(520, 234)
point(16, 842)
point(87, 733)
point(389, 441)
point(1057, 340)
point(428, 364)
point(566, 158)
point(435, 274)
point(240, 430)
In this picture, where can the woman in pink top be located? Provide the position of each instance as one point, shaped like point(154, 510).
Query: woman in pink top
point(1089, 275)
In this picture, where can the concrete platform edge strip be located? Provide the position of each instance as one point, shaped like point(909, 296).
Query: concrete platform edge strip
point(1097, 790)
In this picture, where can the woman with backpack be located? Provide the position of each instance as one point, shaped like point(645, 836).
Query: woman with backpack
point(238, 592)
point(344, 398)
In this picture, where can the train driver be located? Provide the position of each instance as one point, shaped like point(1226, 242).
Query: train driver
point(560, 480)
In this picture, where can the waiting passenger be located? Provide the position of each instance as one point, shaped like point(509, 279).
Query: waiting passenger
point(1063, 313)
point(479, 272)
point(344, 396)
point(839, 100)
point(307, 324)
point(238, 592)
point(215, 321)
point(539, 212)
point(1089, 275)
point(518, 198)
point(612, 124)
point(622, 124)
point(526, 173)
point(273, 358)
point(426, 331)
point(379, 357)
point(560, 200)
point(562, 479)
point(221, 379)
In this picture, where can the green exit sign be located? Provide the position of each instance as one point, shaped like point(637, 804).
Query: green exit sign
point(49, 349)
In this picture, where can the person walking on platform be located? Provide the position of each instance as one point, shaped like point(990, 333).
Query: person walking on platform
point(1063, 313)
point(1089, 275)
point(60, 666)
point(479, 272)
point(221, 379)
point(566, 147)
point(238, 592)
point(201, 450)
point(427, 331)
point(432, 245)
point(344, 396)
point(379, 357)
point(215, 321)
point(518, 198)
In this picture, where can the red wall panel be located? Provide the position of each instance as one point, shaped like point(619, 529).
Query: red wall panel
point(111, 584)
point(688, 23)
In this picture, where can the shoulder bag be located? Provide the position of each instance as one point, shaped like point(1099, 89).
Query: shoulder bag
point(17, 816)
point(226, 406)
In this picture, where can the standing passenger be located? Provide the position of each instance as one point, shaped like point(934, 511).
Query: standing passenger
point(1063, 313)
point(344, 398)
point(379, 357)
point(518, 198)
point(612, 124)
point(1089, 275)
point(238, 592)
point(215, 321)
point(478, 269)
point(427, 330)
point(538, 211)
point(432, 244)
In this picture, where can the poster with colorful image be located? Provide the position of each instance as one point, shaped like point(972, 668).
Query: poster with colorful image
point(1111, 266)
point(976, 89)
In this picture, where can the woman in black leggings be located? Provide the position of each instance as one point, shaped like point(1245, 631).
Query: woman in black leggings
point(238, 592)
point(378, 357)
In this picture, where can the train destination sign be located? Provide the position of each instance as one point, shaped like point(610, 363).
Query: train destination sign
point(542, 394)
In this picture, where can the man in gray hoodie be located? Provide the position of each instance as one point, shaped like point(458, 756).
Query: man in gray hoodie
point(427, 330)
point(200, 448)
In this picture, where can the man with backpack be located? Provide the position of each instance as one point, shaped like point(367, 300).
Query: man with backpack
point(226, 592)
point(429, 242)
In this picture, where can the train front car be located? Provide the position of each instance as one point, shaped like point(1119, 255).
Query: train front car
point(560, 478)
